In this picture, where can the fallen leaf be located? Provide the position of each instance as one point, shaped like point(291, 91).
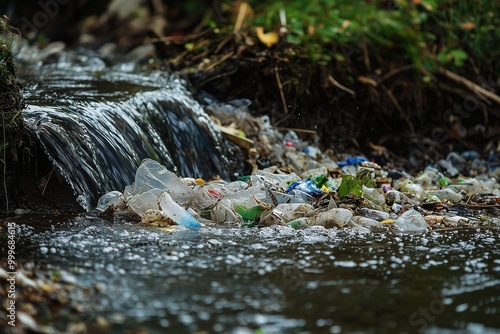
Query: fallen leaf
point(468, 25)
point(269, 39)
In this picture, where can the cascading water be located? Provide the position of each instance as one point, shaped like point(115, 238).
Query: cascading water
point(96, 123)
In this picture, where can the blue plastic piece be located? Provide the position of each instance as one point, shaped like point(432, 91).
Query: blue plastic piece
point(469, 155)
point(189, 221)
point(352, 161)
point(306, 186)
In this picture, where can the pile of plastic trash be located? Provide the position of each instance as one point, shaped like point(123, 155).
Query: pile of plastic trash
point(304, 187)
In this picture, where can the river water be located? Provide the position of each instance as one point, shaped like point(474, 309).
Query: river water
point(230, 279)
point(96, 122)
point(227, 278)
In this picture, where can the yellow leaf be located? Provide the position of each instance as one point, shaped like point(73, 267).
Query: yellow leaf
point(468, 25)
point(269, 39)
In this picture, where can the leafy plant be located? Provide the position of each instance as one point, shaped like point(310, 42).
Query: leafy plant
point(430, 32)
point(353, 185)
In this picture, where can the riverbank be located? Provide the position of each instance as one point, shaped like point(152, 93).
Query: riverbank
point(403, 83)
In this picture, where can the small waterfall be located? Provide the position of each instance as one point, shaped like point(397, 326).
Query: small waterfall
point(96, 124)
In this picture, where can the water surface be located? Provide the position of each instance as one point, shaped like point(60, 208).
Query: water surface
point(229, 279)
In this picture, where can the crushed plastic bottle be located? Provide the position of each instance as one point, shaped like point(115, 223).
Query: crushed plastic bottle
point(365, 221)
point(374, 214)
point(411, 221)
point(374, 198)
point(337, 217)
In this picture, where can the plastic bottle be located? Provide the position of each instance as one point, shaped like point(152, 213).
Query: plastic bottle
point(374, 214)
point(175, 212)
point(447, 194)
point(365, 221)
point(300, 223)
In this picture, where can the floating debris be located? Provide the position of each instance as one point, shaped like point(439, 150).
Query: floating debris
point(300, 186)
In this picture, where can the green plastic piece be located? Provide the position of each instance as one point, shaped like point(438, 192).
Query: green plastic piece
point(319, 180)
point(205, 214)
point(444, 181)
point(330, 184)
point(249, 214)
point(299, 223)
point(245, 178)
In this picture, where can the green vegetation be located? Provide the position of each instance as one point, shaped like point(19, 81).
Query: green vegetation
point(11, 105)
point(353, 185)
point(403, 70)
point(426, 32)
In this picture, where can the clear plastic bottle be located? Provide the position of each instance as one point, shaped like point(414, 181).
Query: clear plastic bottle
point(175, 212)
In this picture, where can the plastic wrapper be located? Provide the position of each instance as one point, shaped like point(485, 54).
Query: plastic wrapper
point(111, 200)
point(206, 198)
point(152, 175)
point(306, 186)
point(280, 180)
point(140, 203)
point(223, 213)
point(284, 213)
